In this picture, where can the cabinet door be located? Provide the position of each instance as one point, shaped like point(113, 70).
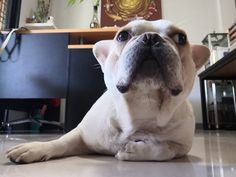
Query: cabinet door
point(36, 68)
point(86, 85)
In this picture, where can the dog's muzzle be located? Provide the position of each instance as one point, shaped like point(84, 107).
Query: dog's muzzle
point(150, 55)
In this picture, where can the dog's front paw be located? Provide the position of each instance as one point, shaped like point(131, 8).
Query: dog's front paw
point(148, 150)
point(29, 152)
point(134, 150)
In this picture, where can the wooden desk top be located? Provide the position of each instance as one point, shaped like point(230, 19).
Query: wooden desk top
point(225, 68)
point(74, 30)
point(81, 38)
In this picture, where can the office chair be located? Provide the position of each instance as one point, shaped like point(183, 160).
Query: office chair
point(34, 122)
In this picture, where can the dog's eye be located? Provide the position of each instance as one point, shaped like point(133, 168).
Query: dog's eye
point(123, 36)
point(180, 38)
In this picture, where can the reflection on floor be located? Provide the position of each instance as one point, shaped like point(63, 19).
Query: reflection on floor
point(213, 155)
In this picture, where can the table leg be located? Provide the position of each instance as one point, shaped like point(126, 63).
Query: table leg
point(204, 98)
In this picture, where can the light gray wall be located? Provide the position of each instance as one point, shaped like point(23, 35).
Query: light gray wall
point(197, 17)
point(27, 9)
point(76, 16)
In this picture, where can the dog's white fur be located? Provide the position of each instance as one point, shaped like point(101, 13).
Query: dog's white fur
point(146, 123)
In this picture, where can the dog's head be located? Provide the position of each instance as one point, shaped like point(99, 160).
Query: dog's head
point(150, 55)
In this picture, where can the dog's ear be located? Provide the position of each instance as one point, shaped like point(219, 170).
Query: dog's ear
point(101, 50)
point(200, 54)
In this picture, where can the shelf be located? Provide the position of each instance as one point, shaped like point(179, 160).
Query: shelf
point(91, 36)
point(222, 69)
point(78, 38)
point(85, 46)
point(74, 31)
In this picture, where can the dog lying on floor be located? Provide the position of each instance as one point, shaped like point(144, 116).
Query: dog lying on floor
point(149, 70)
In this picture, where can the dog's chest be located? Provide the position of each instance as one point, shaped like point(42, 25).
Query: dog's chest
point(143, 109)
point(135, 115)
point(142, 117)
point(114, 138)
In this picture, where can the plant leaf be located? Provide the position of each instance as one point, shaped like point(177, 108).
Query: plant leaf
point(72, 2)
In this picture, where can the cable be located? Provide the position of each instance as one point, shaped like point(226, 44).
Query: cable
point(6, 41)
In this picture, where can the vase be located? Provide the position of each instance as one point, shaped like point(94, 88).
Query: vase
point(94, 22)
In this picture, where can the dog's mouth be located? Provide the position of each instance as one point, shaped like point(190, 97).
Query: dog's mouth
point(159, 64)
point(148, 68)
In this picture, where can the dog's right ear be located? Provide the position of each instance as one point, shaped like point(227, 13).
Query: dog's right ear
point(200, 54)
point(101, 50)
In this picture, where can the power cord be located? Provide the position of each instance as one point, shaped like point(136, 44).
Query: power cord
point(6, 41)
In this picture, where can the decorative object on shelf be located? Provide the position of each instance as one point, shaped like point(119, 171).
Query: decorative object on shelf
point(120, 12)
point(41, 18)
point(95, 22)
point(42, 12)
point(218, 44)
point(35, 26)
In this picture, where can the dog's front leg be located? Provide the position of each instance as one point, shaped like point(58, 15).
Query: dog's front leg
point(69, 144)
point(145, 150)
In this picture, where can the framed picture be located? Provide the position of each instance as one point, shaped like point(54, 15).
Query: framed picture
point(120, 12)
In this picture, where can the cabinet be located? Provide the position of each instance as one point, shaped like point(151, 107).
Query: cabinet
point(54, 64)
point(217, 85)
point(36, 68)
point(86, 85)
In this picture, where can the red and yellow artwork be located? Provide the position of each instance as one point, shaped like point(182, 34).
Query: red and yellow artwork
point(120, 12)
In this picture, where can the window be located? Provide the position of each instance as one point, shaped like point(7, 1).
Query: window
point(3, 10)
point(9, 14)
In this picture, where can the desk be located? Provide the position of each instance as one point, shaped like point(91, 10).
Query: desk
point(55, 64)
point(224, 69)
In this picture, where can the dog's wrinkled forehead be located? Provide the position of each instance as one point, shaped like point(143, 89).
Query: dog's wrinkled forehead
point(162, 27)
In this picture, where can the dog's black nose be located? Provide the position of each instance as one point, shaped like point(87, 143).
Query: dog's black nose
point(122, 88)
point(151, 39)
point(176, 91)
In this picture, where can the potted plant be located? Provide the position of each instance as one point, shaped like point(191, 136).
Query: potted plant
point(42, 11)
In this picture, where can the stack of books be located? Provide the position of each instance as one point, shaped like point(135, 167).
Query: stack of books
point(232, 36)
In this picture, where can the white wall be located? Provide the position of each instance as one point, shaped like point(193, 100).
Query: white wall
point(226, 13)
point(76, 16)
point(27, 9)
point(197, 17)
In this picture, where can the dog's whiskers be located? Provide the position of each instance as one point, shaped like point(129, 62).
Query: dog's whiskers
point(97, 66)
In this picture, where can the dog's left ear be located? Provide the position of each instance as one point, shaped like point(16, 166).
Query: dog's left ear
point(101, 50)
point(200, 54)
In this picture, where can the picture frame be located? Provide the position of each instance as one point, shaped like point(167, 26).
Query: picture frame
point(120, 12)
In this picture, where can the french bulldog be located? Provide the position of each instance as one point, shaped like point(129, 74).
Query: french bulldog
point(149, 70)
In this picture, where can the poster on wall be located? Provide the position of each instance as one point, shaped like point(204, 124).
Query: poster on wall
point(120, 12)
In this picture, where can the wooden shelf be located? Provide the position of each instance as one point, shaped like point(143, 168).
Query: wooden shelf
point(91, 36)
point(85, 46)
point(82, 38)
point(76, 30)
point(222, 69)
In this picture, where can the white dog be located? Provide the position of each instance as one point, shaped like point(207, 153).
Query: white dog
point(149, 69)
